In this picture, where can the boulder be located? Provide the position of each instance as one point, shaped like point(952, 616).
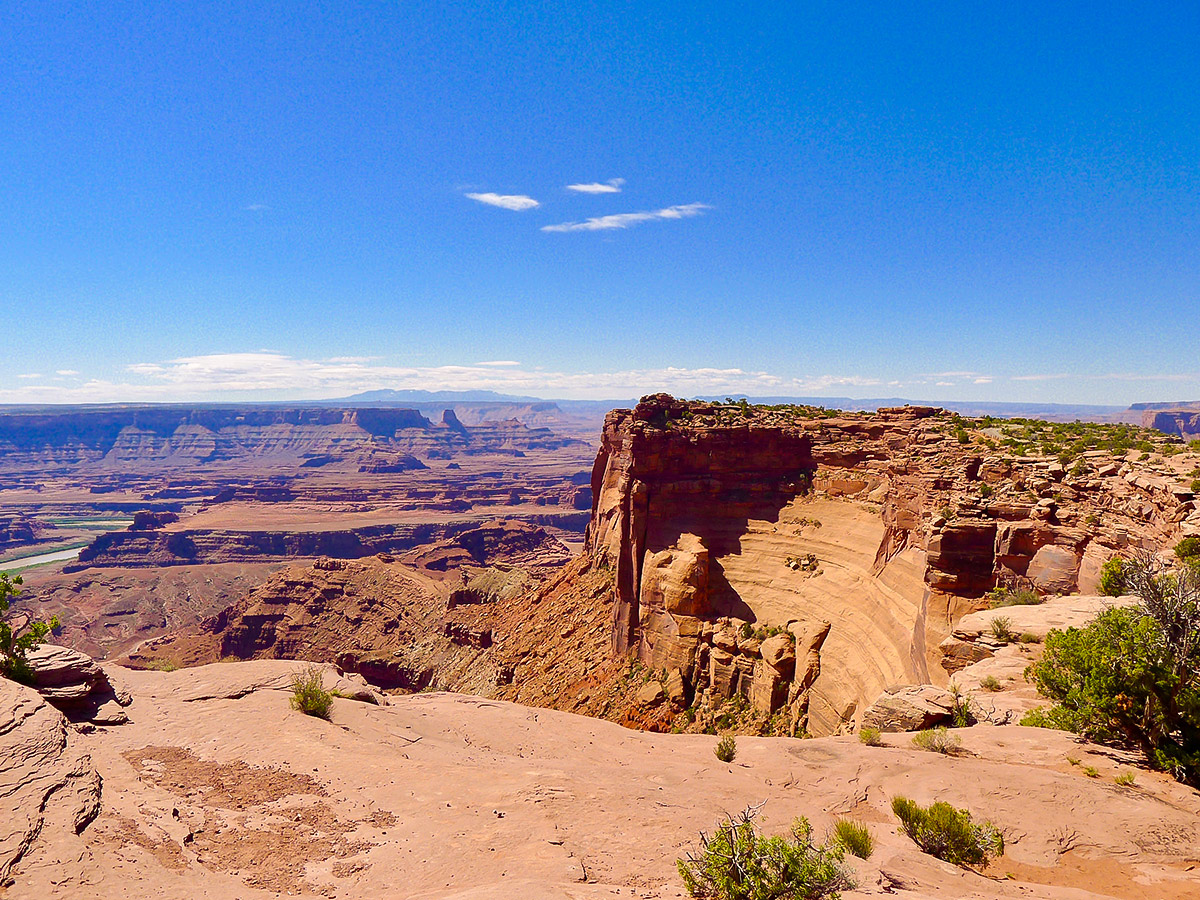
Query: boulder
point(910, 708)
point(676, 579)
point(1054, 569)
point(779, 652)
point(650, 694)
point(958, 653)
point(63, 671)
point(75, 684)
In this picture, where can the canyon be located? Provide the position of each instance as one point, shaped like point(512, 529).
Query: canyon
point(775, 567)
point(481, 605)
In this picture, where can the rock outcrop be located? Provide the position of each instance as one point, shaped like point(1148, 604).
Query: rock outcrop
point(720, 522)
point(44, 786)
point(219, 789)
point(978, 636)
point(75, 684)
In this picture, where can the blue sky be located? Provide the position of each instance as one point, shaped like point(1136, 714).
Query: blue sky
point(289, 200)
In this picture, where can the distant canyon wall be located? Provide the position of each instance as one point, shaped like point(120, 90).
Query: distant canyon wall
point(175, 437)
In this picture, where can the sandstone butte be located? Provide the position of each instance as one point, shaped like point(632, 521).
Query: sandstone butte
point(780, 570)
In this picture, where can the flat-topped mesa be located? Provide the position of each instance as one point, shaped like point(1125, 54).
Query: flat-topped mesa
point(170, 437)
point(663, 480)
point(856, 538)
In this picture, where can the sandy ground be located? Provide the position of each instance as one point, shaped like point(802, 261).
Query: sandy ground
point(218, 789)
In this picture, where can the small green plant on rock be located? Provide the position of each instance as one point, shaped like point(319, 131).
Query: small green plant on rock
point(854, 837)
point(16, 642)
point(1003, 596)
point(948, 833)
point(735, 862)
point(1125, 779)
point(991, 683)
point(871, 737)
point(1001, 629)
point(937, 740)
point(309, 695)
point(726, 749)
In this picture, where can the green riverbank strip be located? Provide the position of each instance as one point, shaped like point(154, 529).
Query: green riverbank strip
point(42, 557)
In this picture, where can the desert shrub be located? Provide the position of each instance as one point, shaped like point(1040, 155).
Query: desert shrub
point(991, 683)
point(1045, 717)
point(737, 863)
point(1188, 550)
point(985, 491)
point(1028, 637)
point(1132, 676)
point(1000, 597)
point(948, 833)
point(854, 837)
point(1091, 771)
point(16, 642)
point(871, 737)
point(936, 740)
point(1113, 579)
point(726, 749)
point(1001, 629)
point(961, 715)
point(309, 694)
point(1125, 779)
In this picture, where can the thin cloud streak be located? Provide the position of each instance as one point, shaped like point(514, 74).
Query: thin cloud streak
point(272, 375)
point(624, 220)
point(612, 186)
point(514, 202)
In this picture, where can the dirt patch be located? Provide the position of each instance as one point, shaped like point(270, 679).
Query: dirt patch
point(274, 855)
point(263, 824)
point(123, 832)
point(233, 785)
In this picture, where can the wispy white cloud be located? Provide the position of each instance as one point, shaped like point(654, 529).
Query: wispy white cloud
point(274, 375)
point(256, 207)
point(612, 186)
point(30, 375)
point(624, 220)
point(271, 375)
point(66, 373)
point(515, 202)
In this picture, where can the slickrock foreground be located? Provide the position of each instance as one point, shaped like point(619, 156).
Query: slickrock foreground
point(216, 788)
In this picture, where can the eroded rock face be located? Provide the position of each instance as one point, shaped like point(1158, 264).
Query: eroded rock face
point(43, 786)
point(74, 683)
point(693, 502)
point(910, 708)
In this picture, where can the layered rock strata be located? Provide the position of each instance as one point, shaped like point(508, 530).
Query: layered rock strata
point(859, 538)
